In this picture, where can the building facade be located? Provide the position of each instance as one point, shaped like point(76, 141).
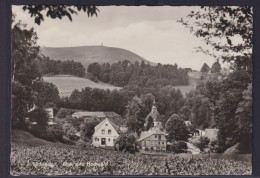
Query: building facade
point(106, 132)
point(155, 138)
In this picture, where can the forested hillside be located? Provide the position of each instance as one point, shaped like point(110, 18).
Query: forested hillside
point(125, 73)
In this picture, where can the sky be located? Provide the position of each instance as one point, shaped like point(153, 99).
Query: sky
point(151, 32)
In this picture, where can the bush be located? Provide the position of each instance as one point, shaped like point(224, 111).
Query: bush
point(55, 133)
point(203, 143)
point(127, 142)
point(179, 147)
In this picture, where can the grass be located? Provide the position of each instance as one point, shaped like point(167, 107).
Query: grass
point(67, 83)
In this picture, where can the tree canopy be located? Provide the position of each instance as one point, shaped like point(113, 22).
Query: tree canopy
point(58, 11)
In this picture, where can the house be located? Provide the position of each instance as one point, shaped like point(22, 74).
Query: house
point(155, 138)
point(211, 133)
point(106, 132)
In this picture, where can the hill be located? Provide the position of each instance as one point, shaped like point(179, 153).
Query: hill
point(89, 54)
point(67, 83)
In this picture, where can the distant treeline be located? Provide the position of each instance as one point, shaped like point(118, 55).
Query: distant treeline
point(46, 65)
point(125, 73)
point(168, 99)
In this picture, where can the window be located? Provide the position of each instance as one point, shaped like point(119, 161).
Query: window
point(162, 142)
point(103, 131)
point(106, 124)
point(109, 140)
point(155, 136)
point(109, 132)
point(159, 137)
point(159, 142)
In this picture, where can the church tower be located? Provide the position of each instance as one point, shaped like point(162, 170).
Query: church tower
point(154, 114)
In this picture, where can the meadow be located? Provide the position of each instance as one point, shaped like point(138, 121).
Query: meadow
point(67, 83)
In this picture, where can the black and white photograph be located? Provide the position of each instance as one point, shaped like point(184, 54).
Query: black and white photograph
point(131, 90)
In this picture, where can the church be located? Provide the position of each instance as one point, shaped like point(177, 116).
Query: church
point(155, 138)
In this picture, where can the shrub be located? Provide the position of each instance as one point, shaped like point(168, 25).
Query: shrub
point(203, 143)
point(127, 142)
point(179, 147)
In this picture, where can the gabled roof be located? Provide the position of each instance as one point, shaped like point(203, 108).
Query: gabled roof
point(102, 122)
point(97, 114)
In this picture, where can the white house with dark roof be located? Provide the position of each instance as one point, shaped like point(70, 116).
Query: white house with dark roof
point(106, 132)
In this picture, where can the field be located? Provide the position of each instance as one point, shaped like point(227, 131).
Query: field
point(48, 158)
point(67, 83)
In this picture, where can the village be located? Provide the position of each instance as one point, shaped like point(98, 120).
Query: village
point(168, 91)
point(106, 132)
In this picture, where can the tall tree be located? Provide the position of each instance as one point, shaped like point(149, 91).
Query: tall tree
point(176, 128)
point(205, 68)
point(216, 67)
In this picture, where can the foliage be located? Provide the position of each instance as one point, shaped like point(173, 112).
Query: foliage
point(87, 128)
point(178, 147)
point(94, 69)
point(228, 30)
point(45, 93)
point(225, 114)
point(40, 117)
point(47, 66)
point(69, 132)
point(55, 133)
point(216, 67)
point(203, 143)
point(127, 142)
point(176, 129)
point(24, 51)
point(63, 113)
point(125, 73)
point(135, 116)
point(57, 11)
point(94, 99)
point(205, 68)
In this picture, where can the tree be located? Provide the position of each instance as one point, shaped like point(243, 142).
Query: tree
point(45, 92)
point(205, 68)
point(244, 119)
point(127, 142)
point(135, 116)
point(40, 117)
point(203, 143)
point(94, 69)
point(228, 30)
point(176, 129)
point(215, 67)
point(57, 11)
point(63, 113)
point(232, 89)
point(87, 128)
point(24, 73)
point(178, 147)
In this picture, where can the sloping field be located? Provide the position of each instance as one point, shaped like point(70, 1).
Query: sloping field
point(67, 83)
